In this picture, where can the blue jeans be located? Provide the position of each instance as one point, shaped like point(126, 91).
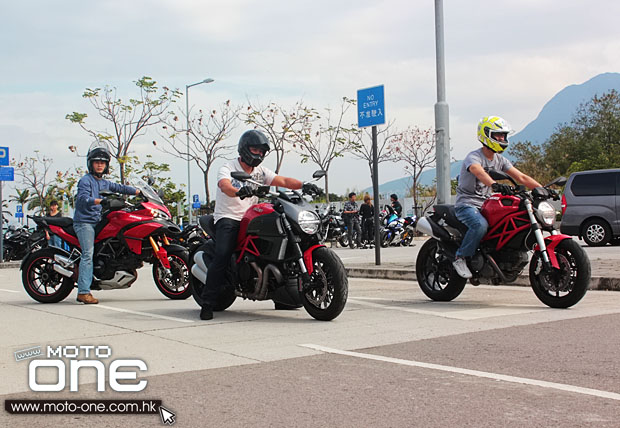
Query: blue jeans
point(86, 235)
point(477, 227)
point(226, 231)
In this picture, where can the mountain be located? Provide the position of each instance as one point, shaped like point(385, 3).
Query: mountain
point(561, 108)
point(558, 110)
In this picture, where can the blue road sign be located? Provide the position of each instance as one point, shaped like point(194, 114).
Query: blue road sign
point(370, 106)
point(19, 215)
point(196, 205)
point(4, 156)
point(7, 173)
point(18, 208)
point(195, 198)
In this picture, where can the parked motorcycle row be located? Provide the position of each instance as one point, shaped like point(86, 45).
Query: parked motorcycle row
point(20, 241)
point(393, 230)
point(281, 256)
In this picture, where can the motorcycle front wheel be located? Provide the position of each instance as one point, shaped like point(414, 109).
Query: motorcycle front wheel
point(564, 287)
point(41, 281)
point(325, 296)
point(174, 284)
point(436, 275)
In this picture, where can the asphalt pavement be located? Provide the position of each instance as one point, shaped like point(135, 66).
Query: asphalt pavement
point(495, 356)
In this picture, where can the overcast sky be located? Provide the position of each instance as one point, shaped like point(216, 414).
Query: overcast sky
point(504, 58)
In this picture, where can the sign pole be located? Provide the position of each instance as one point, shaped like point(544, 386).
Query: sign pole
point(1, 222)
point(375, 190)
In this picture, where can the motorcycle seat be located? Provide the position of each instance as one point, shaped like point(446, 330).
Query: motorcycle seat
point(448, 213)
point(59, 221)
point(207, 222)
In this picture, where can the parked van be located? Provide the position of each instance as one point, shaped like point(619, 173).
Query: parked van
point(591, 206)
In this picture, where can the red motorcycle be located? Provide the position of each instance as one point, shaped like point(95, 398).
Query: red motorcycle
point(127, 236)
point(279, 257)
point(559, 268)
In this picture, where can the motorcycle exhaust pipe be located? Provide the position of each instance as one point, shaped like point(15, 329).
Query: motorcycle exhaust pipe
point(64, 272)
point(429, 227)
point(199, 270)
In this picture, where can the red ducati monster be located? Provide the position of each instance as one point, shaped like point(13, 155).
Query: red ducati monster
point(278, 257)
point(559, 268)
point(127, 236)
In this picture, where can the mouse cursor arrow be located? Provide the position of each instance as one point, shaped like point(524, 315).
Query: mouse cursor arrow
point(167, 417)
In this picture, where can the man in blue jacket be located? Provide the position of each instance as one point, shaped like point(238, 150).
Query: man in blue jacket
point(88, 212)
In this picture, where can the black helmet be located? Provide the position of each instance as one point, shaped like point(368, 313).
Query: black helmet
point(98, 151)
point(252, 138)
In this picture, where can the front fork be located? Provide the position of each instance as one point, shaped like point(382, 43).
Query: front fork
point(299, 256)
point(540, 239)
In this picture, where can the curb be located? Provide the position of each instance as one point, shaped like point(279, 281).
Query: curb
point(596, 282)
point(10, 265)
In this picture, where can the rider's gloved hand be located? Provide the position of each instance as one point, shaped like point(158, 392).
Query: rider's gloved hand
point(504, 189)
point(245, 192)
point(105, 204)
point(311, 189)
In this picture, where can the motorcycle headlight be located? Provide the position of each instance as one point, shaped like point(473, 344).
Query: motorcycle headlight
point(546, 213)
point(159, 214)
point(308, 222)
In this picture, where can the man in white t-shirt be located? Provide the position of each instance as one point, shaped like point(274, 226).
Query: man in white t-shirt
point(229, 208)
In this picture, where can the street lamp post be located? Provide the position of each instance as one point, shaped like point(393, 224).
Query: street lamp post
point(189, 193)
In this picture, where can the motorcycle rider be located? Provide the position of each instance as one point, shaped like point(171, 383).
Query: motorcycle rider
point(352, 220)
point(475, 185)
point(230, 208)
point(88, 207)
point(396, 205)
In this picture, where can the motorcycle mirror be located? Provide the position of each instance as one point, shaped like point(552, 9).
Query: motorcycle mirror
point(560, 181)
point(150, 180)
point(318, 174)
point(240, 175)
point(160, 193)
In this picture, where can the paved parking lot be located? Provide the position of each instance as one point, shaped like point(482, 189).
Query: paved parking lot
point(495, 356)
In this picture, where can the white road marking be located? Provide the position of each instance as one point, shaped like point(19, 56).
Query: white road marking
point(9, 291)
point(476, 373)
point(146, 314)
point(465, 315)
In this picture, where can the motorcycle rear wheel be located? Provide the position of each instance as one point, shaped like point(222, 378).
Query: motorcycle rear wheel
point(173, 285)
point(436, 275)
point(565, 287)
point(41, 281)
point(325, 296)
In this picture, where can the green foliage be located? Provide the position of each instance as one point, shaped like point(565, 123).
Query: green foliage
point(590, 141)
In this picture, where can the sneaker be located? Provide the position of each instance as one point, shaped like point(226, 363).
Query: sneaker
point(86, 299)
point(460, 265)
point(206, 313)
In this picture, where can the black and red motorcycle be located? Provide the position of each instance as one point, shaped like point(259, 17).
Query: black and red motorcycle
point(127, 236)
point(278, 257)
point(559, 269)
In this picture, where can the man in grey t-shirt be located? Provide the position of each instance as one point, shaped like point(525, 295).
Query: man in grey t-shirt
point(475, 185)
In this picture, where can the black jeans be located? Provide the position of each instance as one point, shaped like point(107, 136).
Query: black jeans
point(226, 231)
point(368, 230)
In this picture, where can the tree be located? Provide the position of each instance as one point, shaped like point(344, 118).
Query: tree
point(207, 132)
point(414, 147)
point(362, 146)
point(589, 141)
point(129, 120)
point(33, 171)
point(280, 125)
point(326, 141)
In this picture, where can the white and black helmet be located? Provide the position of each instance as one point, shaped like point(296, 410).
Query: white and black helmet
point(252, 138)
point(98, 151)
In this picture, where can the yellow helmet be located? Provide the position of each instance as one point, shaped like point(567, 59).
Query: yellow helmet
point(489, 127)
